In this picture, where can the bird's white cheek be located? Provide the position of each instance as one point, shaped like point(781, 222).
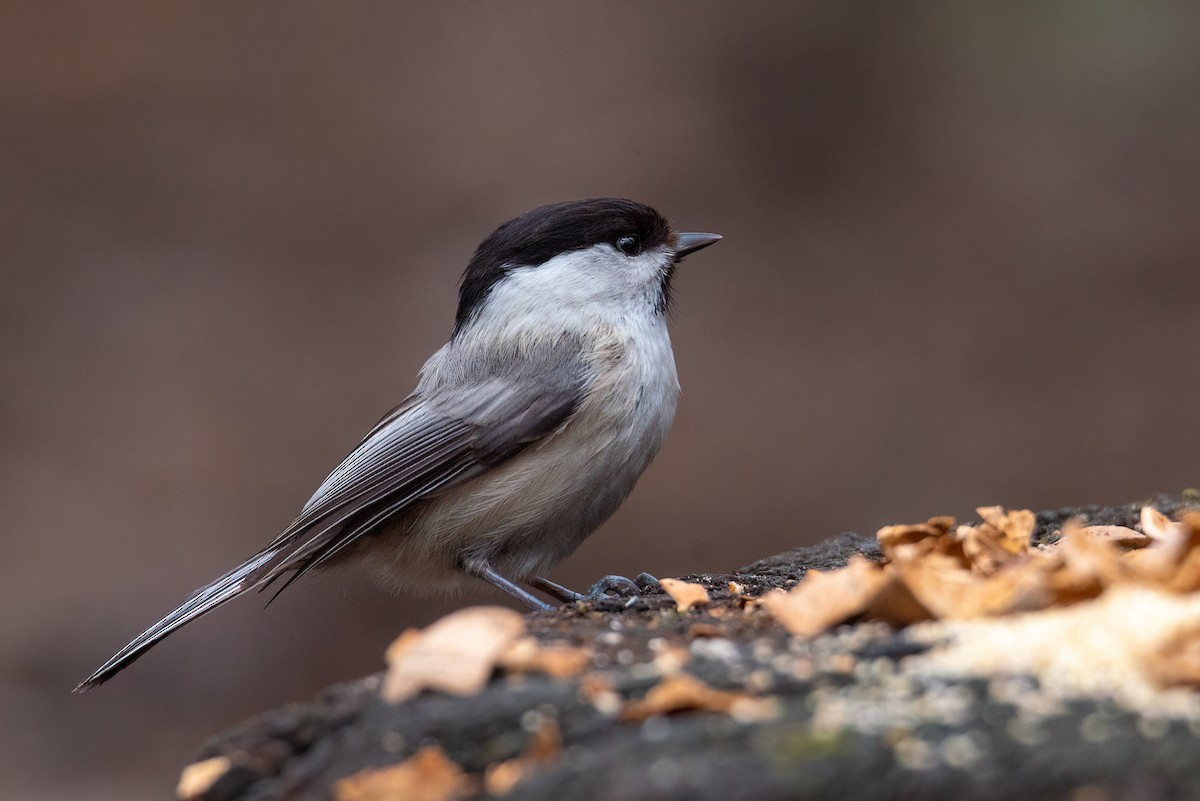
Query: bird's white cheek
point(647, 269)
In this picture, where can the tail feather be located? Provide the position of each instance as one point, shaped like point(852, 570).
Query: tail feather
point(242, 578)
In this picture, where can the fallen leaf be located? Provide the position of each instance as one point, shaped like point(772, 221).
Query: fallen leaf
point(1123, 536)
point(891, 536)
point(1186, 575)
point(407, 639)
point(1015, 527)
point(543, 748)
point(684, 692)
point(528, 655)
point(685, 593)
point(826, 598)
point(427, 775)
point(1167, 534)
point(982, 548)
point(1172, 557)
point(455, 655)
point(198, 777)
point(704, 630)
point(1085, 566)
point(989, 569)
point(597, 690)
point(1160, 527)
point(949, 589)
point(1176, 662)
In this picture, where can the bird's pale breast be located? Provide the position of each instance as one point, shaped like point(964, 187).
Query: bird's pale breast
point(530, 512)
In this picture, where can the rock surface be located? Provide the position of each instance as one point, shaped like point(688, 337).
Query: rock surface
point(844, 715)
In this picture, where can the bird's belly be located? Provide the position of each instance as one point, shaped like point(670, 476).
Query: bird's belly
point(527, 514)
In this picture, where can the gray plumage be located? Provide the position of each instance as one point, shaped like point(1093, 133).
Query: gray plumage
point(525, 432)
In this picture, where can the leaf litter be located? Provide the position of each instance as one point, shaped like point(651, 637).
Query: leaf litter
point(428, 775)
point(1102, 611)
point(1109, 608)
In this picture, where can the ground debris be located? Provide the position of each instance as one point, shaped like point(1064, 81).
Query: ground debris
point(1016, 656)
point(937, 570)
point(199, 777)
point(544, 748)
point(685, 594)
point(427, 776)
point(684, 692)
point(455, 655)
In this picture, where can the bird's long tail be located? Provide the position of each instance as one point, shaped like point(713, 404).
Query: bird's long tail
point(244, 577)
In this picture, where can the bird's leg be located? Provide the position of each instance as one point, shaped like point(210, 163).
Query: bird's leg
point(485, 571)
point(556, 591)
point(605, 587)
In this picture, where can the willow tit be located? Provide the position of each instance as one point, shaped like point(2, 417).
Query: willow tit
point(526, 430)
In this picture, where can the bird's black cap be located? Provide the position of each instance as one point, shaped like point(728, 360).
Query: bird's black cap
point(543, 233)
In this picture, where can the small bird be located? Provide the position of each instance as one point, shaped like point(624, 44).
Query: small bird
point(526, 430)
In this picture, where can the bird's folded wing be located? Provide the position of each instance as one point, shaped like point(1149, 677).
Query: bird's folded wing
point(437, 438)
point(447, 432)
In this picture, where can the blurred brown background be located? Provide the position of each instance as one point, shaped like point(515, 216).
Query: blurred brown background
point(959, 268)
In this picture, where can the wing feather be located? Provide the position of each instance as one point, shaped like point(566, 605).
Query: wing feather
point(453, 428)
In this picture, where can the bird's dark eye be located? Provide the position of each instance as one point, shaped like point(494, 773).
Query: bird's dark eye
point(629, 245)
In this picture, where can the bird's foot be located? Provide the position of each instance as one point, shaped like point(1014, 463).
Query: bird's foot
point(606, 588)
point(620, 586)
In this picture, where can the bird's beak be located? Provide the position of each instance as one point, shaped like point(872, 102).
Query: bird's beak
point(690, 243)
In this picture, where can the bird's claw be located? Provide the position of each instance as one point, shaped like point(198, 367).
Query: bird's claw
point(608, 588)
point(646, 582)
point(611, 587)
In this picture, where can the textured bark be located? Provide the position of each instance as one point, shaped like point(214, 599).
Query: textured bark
point(983, 750)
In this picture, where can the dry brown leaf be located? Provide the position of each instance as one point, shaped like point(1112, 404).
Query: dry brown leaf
point(939, 582)
point(949, 590)
point(528, 655)
point(198, 777)
point(1186, 575)
point(704, 630)
point(543, 748)
point(982, 548)
point(895, 603)
point(1122, 536)
point(503, 776)
point(1172, 558)
point(427, 775)
point(892, 536)
point(685, 593)
point(1015, 527)
point(826, 598)
point(1176, 663)
point(455, 655)
point(990, 569)
point(407, 639)
point(1161, 528)
point(597, 690)
point(684, 692)
point(1085, 566)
